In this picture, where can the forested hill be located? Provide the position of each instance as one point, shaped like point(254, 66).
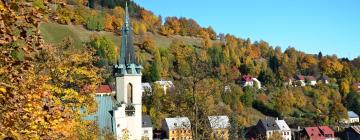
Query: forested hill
point(55, 53)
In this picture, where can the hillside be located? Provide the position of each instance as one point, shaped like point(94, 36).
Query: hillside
point(56, 33)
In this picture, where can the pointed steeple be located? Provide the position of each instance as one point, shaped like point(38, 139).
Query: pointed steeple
point(127, 63)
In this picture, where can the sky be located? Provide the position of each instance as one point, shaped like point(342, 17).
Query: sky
point(329, 26)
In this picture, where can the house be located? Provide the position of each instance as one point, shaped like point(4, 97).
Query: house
point(227, 88)
point(300, 80)
point(351, 133)
point(324, 79)
point(248, 80)
point(147, 126)
point(146, 88)
point(356, 87)
point(177, 128)
point(220, 127)
point(310, 80)
point(319, 133)
point(265, 128)
point(121, 113)
point(166, 85)
point(353, 117)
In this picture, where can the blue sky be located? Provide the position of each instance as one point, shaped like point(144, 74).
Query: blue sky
point(329, 26)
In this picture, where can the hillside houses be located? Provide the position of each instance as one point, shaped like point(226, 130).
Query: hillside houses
point(248, 80)
point(268, 127)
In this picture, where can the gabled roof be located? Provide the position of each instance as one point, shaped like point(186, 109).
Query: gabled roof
point(165, 83)
point(269, 124)
point(352, 114)
point(314, 133)
point(104, 89)
point(145, 86)
point(178, 123)
point(146, 121)
point(324, 77)
point(282, 125)
point(326, 130)
point(217, 122)
point(356, 129)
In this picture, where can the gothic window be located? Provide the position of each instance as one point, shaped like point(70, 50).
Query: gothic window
point(129, 93)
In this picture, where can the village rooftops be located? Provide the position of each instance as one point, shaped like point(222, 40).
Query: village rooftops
point(178, 123)
point(300, 77)
point(310, 78)
point(314, 133)
point(282, 125)
point(219, 122)
point(246, 78)
point(352, 114)
point(104, 89)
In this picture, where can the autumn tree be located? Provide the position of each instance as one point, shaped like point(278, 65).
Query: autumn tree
point(42, 88)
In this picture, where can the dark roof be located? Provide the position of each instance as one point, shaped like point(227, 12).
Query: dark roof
point(324, 77)
point(146, 121)
point(269, 124)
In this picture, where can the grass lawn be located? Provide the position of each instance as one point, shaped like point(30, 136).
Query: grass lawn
point(55, 33)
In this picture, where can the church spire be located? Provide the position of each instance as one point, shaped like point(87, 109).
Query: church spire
point(127, 63)
point(127, 48)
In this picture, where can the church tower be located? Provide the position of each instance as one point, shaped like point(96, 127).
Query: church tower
point(127, 117)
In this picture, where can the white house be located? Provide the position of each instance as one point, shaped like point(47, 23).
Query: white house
point(300, 80)
point(353, 117)
point(265, 128)
point(310, 80)
point(147, 128)
point(166, 85)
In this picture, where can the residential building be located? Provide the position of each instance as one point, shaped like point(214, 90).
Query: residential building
point(166, 85)
point(178, 128)
point(289, 81)
point(300, 80)
point(351, 133)
point(318, 133)
point(250, 81)
point(147, 128)
point(220, 127)
point(353, 117)
point(265, 128)
point(310, 80)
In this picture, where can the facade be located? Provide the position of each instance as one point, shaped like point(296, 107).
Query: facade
point(166, 85)
point(265, 128)
point(220, 127)
point(178, 128)
point(319, 133)
point(310, 80)
point(147, 126)
point(353, 117)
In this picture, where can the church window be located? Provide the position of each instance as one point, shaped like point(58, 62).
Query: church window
point(130, 93)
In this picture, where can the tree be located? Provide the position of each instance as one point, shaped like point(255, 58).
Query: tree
point(105, 48)
point(155, 74)
point(45, 87)
point(247, 98)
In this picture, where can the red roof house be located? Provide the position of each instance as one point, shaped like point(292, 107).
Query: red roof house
point(319, 133)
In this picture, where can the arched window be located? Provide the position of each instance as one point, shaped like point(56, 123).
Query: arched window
point(129, 93)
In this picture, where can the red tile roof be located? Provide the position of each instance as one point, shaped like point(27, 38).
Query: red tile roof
point(327, 131)
point(319, 133)
point(314, 133)
point(299, 77)
point(310, 78)
point(103, 89)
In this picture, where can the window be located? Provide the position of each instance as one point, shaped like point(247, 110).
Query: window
point(173, 131)
point(145, 131)
point(173, 139)
point(129, 93)
point(118, 125)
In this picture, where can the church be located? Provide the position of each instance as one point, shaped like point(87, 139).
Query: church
point(120, 112)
